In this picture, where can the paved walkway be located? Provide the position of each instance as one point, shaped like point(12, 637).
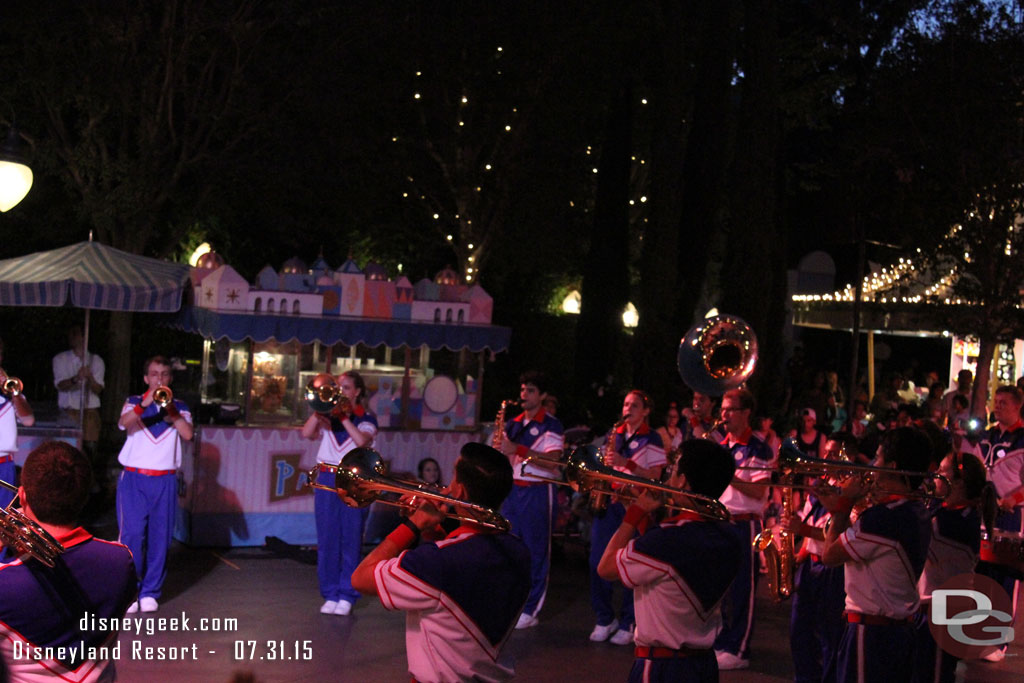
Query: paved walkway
point(274, 600)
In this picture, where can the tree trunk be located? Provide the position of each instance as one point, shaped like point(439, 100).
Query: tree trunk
point(979, 401)
point(605, 286)
point(120, 373)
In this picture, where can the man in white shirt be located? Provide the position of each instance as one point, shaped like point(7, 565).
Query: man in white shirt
point(75, 377)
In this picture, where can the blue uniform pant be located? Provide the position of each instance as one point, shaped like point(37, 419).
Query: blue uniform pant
point(694, 668)
point(933, 664)
point(145, 517)
point(531, 511)
point(601, 531)
point(339, 537)
point(816, 618)
point(885, 651)
point(7, 472)
point(738, 603)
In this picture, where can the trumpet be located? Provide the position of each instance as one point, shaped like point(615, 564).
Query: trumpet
point(362, 477)
point(584, 471)
point(324, 395)
point(24, 537)
point(11, 387)
point(163, 396)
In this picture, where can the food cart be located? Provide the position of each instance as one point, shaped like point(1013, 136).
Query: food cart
point(421, 349)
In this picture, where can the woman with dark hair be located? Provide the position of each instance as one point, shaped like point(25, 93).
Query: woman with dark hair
point(339, 528)
point(429, 472)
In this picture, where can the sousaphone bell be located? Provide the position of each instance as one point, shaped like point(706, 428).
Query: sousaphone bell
point(717, 354)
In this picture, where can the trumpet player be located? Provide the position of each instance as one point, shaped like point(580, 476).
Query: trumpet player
point(679, 571)
point(530, 506)
point(634, 448)
point(956, 541)
point(746, 502)
point(146, 488)
point(14, 410)
point(339, 528)
point(883, 554)
point(462, 595)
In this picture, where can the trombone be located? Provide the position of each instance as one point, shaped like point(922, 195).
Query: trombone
point(584, 471)
point(362, 477)
point(794, 462)
point(23, 536)
point(323, 393)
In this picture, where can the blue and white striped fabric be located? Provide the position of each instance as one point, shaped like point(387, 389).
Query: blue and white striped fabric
point(93, 275)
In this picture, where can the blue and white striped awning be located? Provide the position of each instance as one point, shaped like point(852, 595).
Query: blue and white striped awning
point(93, 275)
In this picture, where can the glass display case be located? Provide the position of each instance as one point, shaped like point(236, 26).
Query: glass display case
point(263, 383)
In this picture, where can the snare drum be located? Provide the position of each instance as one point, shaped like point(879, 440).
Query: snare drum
point(1004, 548)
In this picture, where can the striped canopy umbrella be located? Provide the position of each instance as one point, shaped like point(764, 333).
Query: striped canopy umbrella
point(92, 275)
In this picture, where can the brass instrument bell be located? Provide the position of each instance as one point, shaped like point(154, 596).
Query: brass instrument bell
point(717, 354)
point(12, 386)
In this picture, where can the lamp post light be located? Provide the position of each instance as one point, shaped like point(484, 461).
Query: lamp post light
point(15, 174)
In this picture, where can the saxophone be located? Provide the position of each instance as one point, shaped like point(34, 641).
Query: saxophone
point(600, 494)
point(499, 424)
point(780, 557)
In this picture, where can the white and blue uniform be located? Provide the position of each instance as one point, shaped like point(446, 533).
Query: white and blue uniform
point(147, 492)
point(679, 572)
point(530, 507)
point(747, 515)
point(887, 545)
point(816, 617)
point(645, 449)
point(8, 446)
point(339, 528)
point(1003, 455)
point(956, 541)
point(42, 607)
point(462, 597)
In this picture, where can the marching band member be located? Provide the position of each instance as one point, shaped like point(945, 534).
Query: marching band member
point(147, 487)
point(530, 507)
point(956, 541)
point(747, 503)
point(42, 609)
point(700, 417)
point(883, 553)
point(679, 572)
point(461, 595)
point(339, 528)
point(14, 409)
point(1002, 450)
point(633, 448)
point(816, 615)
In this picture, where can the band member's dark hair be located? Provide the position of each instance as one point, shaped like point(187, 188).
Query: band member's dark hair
point(57, 478)
point(486, 474)
point(909, 449)
point(971, 469)
point(536, 378)
point(359, 381)
point(746, 399)
point(707, 466)
point(159, 360)
point(1012, 390)
point(941, 442)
